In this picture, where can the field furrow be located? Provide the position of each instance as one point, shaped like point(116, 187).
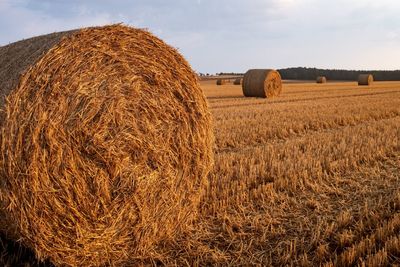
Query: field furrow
point(304, 99)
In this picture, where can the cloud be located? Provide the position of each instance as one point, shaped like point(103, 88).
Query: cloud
point(233, 35)
point(19, 21)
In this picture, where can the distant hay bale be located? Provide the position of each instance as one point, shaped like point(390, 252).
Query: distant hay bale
point(365, 79)
point(221, 81)
point(262, 83)
point(106, 142)
point(237, 81)
point(321, 79)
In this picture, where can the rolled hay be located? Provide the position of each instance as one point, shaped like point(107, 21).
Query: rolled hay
point(106, 141)
point(221, 81)
point(262, 83)
point(237, 81)
point(365, 79)
point(321, 79)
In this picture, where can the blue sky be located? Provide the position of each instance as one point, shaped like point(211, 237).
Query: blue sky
point(233, 35)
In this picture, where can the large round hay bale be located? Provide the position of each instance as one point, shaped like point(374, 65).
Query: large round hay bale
point(365, 79)
point(262, 83)
point(221, 81)
point(106, 141)
point(321, 79)
point(237, 81)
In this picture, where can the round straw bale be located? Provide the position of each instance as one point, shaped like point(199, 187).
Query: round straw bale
point(365, 79)
point(221, 81)
point(262, 83)
point(237, 81)
point(106, 142)
point(321, 79)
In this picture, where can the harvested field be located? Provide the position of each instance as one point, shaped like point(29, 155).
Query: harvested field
point(309, 178)
point(305, 179)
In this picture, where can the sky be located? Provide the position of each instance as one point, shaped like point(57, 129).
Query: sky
point(233, 35)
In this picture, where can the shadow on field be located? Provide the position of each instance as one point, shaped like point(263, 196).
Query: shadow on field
point(13, 254)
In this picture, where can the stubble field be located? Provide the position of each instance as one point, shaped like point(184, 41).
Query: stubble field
point(306, 179)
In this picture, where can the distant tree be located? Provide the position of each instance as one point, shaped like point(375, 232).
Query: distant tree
point(302, 73)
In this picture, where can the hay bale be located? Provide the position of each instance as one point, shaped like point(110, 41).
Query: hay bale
point(237, 81)
point(321, 79)
point(106, 141)
point(222, 81)
point(365, 79)
point(262, 83)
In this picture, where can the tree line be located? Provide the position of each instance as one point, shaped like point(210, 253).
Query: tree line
point(301, 73)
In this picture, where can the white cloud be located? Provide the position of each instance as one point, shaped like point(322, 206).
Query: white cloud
point(232, 35)
point(393, 36)
point(19, 22)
